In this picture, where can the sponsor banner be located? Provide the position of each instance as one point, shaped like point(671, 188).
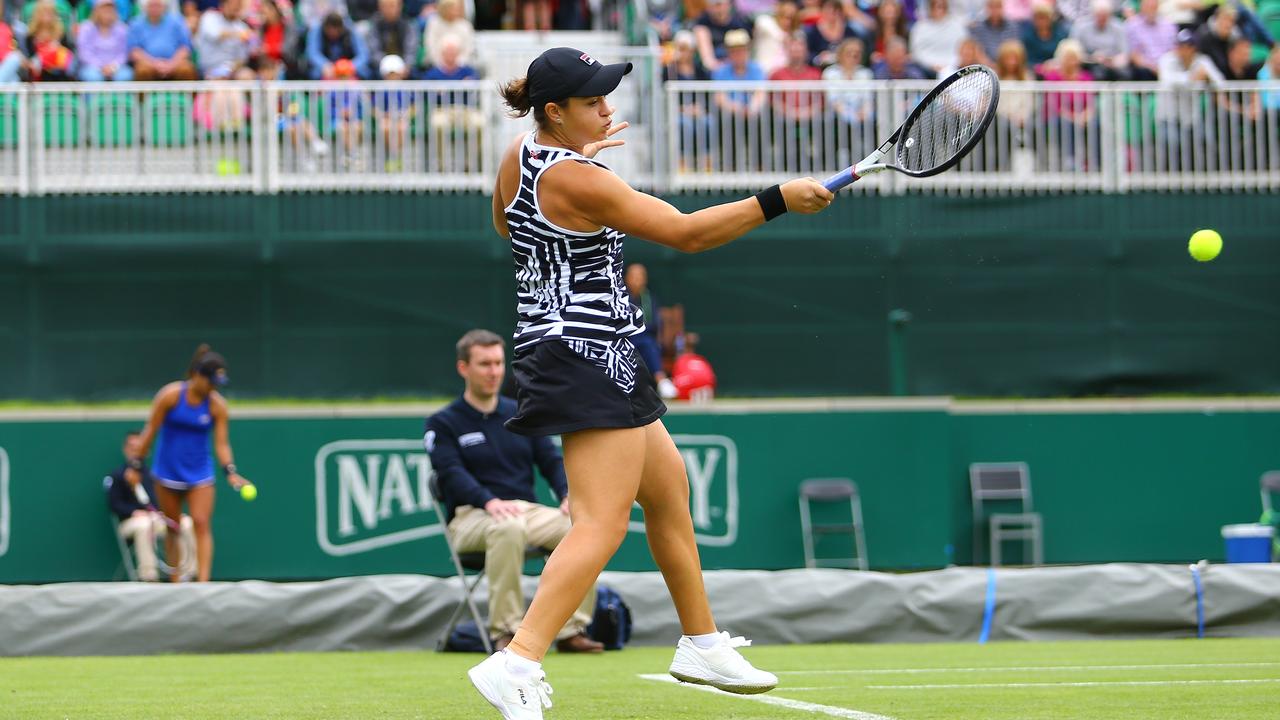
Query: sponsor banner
point(373, 494)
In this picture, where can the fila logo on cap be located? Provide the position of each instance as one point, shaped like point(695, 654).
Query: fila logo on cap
point(587, 59)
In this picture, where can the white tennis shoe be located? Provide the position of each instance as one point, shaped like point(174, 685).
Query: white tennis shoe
point(720, 667)
point(517, 697)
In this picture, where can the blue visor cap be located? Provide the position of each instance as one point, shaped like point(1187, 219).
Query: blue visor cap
point(214, 367)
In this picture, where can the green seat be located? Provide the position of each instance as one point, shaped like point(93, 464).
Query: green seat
point(1136, 107)
point(8, 120)
point(111, 120)
point(61, 120)
point(167, 119)
point(1269, 16)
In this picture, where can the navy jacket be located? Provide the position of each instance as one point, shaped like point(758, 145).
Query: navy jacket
point(478, 459)
point(120, 496)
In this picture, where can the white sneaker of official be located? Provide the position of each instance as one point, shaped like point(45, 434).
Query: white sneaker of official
point(720, 666)
point(516, 696)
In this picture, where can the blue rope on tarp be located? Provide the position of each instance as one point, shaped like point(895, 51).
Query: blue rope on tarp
point(989, 608)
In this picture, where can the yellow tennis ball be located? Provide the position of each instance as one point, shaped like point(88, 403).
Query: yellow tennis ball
point(1205, 245)
point(248, 492)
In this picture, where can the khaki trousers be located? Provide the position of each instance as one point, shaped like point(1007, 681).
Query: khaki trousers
point(503, 543)
point(144, 531)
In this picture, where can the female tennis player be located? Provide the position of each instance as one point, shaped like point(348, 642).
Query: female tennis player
point(184, 413)
point(577, 371)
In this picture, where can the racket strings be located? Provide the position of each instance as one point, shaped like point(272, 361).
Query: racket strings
point(944, 127)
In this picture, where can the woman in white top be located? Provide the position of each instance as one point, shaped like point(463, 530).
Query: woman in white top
point(449, 20)
point(771, 32)
point(855, 122)
point(935, 38)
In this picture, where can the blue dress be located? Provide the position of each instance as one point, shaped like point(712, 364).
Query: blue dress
point(183, 459)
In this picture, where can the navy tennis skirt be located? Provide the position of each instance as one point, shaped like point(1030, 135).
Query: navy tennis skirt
point(559, 390)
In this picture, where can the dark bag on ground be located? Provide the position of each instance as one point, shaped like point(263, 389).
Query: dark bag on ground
point(611, 624)
point(465, 638)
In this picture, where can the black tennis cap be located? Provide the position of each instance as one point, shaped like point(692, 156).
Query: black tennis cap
point(563, 72)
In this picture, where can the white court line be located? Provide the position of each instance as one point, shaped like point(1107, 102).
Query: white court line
point(779, 701)
point(1100, 683)
point(1043, 668)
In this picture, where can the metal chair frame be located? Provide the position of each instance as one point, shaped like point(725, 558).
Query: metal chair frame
point(127, 559)
point(1026, 526)
point(832, 490)
point(462, 562)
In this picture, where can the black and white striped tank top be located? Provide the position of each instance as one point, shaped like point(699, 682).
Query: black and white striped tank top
point(568, 284)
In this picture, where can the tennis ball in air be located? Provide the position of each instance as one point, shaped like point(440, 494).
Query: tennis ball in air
point(1205, 245)
point(248, 492)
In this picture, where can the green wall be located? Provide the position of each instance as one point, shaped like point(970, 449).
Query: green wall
point(363, 294)
point(1146, 486)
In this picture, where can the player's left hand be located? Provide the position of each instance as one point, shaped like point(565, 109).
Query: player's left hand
point(590, 149)
point(237, 481)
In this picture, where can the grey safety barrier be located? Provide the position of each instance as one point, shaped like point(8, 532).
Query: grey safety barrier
point(407, 612)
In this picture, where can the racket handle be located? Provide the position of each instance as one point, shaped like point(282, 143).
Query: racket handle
point(841, 179)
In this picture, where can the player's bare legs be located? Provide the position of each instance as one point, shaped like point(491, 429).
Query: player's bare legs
point(664, 495)
point(200, 503)
point(604, 469)
point(170, 503)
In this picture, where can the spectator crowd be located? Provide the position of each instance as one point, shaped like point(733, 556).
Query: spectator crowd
point(121, 40)
point(155, 40)
point(1178, 41)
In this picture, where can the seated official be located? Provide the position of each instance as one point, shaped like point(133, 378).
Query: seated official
point(140, 523)
point(487, 486)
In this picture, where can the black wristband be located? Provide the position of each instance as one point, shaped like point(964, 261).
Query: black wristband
point(135, 463)
point(771, 202)
point(229, 469)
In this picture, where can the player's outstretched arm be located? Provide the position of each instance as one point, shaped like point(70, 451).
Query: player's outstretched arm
point(602, 198)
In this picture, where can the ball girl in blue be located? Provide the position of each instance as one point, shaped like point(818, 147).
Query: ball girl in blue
point(184, 415)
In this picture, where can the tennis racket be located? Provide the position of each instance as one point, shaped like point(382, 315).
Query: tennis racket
point(941, 129)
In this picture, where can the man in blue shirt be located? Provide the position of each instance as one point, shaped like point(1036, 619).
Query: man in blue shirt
point(160, 45)
point(739, 110)
point(486, 484)
point(897, 64)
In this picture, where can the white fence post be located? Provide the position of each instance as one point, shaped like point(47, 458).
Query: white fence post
point(26, 186)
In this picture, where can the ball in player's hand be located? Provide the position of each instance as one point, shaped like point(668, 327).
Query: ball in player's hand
point(248, 491)
point(1205, 245)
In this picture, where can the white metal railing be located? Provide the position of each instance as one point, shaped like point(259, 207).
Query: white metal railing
point(378, 136)
point(288, 136)
point(1046, 137)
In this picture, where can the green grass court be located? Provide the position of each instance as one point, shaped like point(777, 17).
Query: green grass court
point(1141, 680)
